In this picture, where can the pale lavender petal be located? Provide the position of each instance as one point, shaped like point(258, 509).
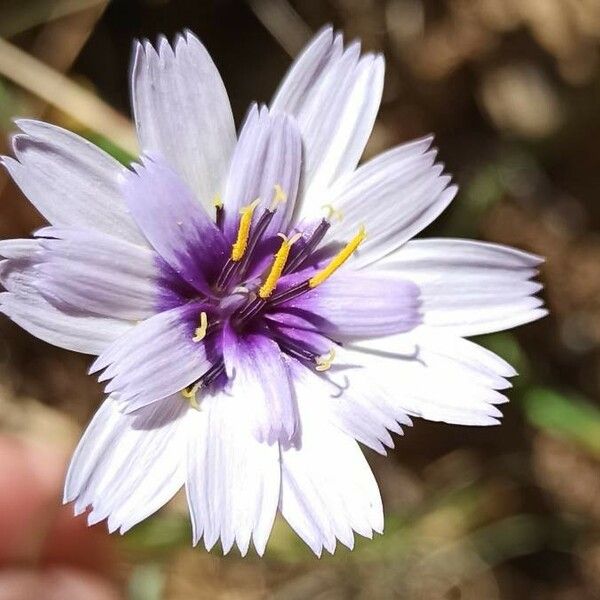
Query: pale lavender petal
point(306, 70)
point(353, 304)
point(176, 226)
point(294, 327)
point(394, 196)
point(268, 153)
point(335, 96)
point(233, 480)
point(96, 273)
point(126, 467)
point(182, 111)
point(18, 248)
point(468, 287)
point(327, 488)
point(156, 358)
point(75, 331)
point(17, 269)
point(72, 329)
point(258, 372)
point(70, 181)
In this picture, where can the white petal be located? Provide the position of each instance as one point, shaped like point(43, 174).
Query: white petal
point(365, 416)
point(233, 480)
point(77, 332)
point(126, 467)
point(327, 488)
point(334, 95)
point(468, 287)
point(182, 111)
point(97, 273)
point(258, 372)
point(424, 373)
point(70, 181)
point(394, 196)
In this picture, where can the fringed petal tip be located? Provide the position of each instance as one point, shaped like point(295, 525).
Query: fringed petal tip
point(161, 45)
point(243, 546)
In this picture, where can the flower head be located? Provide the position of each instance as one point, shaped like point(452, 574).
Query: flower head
point(256, 304)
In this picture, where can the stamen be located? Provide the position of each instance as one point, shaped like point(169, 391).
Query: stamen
point(295, 350)
point(279, 198)
point(200, 332)
point(324, 362)
point(247, 311)
point(220, 213)
point(189, 393)
point(338, 260)
point(313, 241)
point(235, 266)
point(268, 287)
point(239, 247)
point(289, 294)
point(213, 373)
point(255, 237)
point(333, 212)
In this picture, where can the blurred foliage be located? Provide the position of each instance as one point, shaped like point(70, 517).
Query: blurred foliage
point(569, 417)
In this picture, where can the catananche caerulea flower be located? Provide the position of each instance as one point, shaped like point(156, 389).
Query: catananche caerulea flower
point(257, 305)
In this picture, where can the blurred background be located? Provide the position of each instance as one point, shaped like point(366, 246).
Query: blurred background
point(512, 90)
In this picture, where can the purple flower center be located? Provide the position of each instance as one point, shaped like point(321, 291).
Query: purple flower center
point(251, 290)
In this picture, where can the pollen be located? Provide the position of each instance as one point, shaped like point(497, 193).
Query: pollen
point(189, 393)
point(268, 287)
point(324, 362)
point(279, 197)
point(339, 259)
point(200, 332)
point(217, 201)
point(241, 243)
point(333, 213)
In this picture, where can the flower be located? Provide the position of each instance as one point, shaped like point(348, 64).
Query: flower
point(257, 305)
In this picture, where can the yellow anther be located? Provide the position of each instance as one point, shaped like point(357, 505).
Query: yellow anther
point(268, 287)
point(279, 198)
point(339, 259)
point(217, 202)
point(200, 332)
point(189, 393)
point(324, 362)
point(239, 247)
point(332, 212)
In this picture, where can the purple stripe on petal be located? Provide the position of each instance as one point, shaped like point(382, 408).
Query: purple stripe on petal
point(259, 373)
point(174, 223)
point(172, 290)
point(357, 305)
point(156, 358)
